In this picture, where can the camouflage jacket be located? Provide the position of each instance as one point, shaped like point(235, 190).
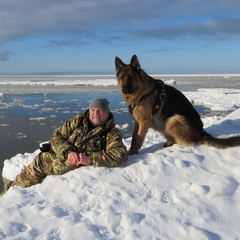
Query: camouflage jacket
point(78, 134)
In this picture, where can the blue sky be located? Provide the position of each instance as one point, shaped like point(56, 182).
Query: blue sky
point(79, 36)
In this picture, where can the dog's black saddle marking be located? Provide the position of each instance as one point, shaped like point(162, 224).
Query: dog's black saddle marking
point(158, 92)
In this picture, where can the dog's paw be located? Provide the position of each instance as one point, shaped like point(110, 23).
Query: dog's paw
point(132, 151)
point(168, 144)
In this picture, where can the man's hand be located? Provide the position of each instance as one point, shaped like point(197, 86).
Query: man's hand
point(73, 158)
point(78, 159)
point(83, 159)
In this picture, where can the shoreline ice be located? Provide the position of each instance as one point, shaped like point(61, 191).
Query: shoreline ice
point(103, 83)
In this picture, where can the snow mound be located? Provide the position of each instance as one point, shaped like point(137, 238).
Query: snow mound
point(171, 193)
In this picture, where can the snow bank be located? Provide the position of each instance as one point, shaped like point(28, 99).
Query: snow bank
point(173, 193)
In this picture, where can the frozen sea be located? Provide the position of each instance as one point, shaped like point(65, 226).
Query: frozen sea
point(160, 193)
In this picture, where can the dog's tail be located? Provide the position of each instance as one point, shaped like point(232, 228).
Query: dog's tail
point(222, 143)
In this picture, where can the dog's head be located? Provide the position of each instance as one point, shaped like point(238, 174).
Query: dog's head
point(127, 75)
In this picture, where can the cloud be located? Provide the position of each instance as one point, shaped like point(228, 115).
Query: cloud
point(167, 49)
point(164, 19)
point(5, 54)
point(70, 42)
point(215, 30)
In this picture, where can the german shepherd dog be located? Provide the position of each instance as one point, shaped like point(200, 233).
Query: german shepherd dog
point(163, 108)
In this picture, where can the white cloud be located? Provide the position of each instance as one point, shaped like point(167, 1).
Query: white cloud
point(30, 18)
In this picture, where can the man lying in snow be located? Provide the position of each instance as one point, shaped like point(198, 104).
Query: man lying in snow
point(89, 139)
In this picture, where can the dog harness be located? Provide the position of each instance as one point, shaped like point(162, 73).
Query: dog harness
point(158, 93)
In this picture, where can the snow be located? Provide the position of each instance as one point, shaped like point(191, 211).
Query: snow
point(161, 193)
point(217, 99)
point(60, 80)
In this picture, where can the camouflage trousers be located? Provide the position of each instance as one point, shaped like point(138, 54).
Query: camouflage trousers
point(41, 166)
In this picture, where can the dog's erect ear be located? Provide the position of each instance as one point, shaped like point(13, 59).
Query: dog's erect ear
point(135, 63)
point(119, 64)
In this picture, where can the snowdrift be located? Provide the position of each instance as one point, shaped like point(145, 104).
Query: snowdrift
point(173, 193)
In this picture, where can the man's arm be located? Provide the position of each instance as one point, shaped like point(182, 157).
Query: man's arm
point(116, 153)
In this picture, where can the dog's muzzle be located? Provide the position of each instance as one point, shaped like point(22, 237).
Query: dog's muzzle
point(127, 89)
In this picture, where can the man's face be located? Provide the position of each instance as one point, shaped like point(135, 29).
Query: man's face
point(97, 115)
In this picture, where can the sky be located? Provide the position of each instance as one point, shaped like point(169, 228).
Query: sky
point(76, 36)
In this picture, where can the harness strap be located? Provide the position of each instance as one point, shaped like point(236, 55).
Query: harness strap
point(160, 95)
point(158, 92)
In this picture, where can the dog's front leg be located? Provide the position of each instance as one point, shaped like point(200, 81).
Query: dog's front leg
point(139, 133)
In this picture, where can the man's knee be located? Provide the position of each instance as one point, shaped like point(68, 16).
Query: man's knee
point(32, 174)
